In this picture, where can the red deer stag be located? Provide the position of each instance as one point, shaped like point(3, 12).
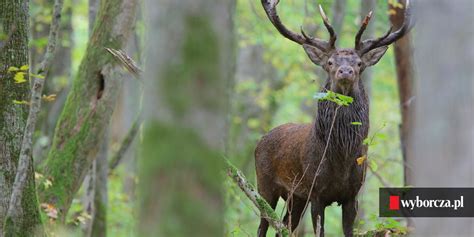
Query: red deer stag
point(289, 156)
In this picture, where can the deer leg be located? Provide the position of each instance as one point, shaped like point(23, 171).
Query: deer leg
point(272, 199)
point(317, 209)
point(349, 213)
point(292, 218)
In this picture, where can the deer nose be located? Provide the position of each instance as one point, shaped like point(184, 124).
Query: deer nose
point(345, 72)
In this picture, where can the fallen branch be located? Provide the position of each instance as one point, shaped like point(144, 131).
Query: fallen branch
point(266, 211)
point(35, 105)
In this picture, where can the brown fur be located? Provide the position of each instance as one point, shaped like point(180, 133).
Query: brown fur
point(283, 155)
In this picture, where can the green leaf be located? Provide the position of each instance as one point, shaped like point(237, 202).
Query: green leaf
point(19, 77)
point(356, 123)
point(345, 98)
point(337, 98)
point(37, 76)
point(13, 69)
point(24, 67)
point(381, 136)
point(373, 165)
point(366, 141)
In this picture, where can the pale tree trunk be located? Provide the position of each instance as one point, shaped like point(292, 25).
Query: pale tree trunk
point(443, 129)
point(338, 14)
point(251, 68)
point(14, 53)
point(60, 71)
point(89, 106)
point(187, 84)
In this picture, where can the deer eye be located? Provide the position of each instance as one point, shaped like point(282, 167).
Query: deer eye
point(330, 63)
point(359, 64)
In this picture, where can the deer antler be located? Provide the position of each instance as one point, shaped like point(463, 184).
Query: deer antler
point(388, 38)
point(303, 38)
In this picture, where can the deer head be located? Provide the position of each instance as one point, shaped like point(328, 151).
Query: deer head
point(343, 66)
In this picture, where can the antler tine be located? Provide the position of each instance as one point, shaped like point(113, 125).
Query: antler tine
point(389, 37)
point(318, 43)
point(270, 8)
point(365, 22)
point(332, 33)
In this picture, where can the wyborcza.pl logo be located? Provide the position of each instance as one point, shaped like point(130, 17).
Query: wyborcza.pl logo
point(426, 202)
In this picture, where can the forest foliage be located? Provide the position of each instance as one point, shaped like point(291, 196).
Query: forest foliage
point(275, 83)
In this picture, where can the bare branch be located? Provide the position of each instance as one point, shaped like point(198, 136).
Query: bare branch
point(35, 105)
point(266, 211)
point(126, 142)
point(126, 61)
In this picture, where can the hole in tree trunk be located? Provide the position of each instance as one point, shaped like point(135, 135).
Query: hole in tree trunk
point(101, 85)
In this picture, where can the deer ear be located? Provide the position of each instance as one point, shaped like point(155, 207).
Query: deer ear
point(373, 56)
point(316, 55)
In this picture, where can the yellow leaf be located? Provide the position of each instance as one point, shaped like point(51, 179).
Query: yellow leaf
point(47, 183)
point(21, 102)
point(361, 160)
point(24, 67)
point(49, 98)
point(19, 77)
point(13, 69)
point(38, 175)
point(392, 12)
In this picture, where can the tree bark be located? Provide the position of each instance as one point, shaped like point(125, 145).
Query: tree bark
point(99, 217)
point(89, 106)
point(14, 52)
point(187, 85)
point(443, 131)
point(405, 78)
point(338, 14)
point(89, 184)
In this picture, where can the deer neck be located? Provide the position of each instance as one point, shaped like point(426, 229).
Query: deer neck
point(347, 130)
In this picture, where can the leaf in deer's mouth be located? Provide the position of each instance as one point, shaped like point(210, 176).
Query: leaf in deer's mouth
point(339, 99)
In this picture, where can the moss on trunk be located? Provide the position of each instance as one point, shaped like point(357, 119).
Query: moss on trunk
point(88, 108)
point(187, 78)
point(14, 52)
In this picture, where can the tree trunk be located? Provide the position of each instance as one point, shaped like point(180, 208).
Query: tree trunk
point(405, 77)
point(99, 217)
point(338, 13)
point(188, 76)
point(443, 129)
point(89, 184)
point(89, 106)
point(14, 53)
